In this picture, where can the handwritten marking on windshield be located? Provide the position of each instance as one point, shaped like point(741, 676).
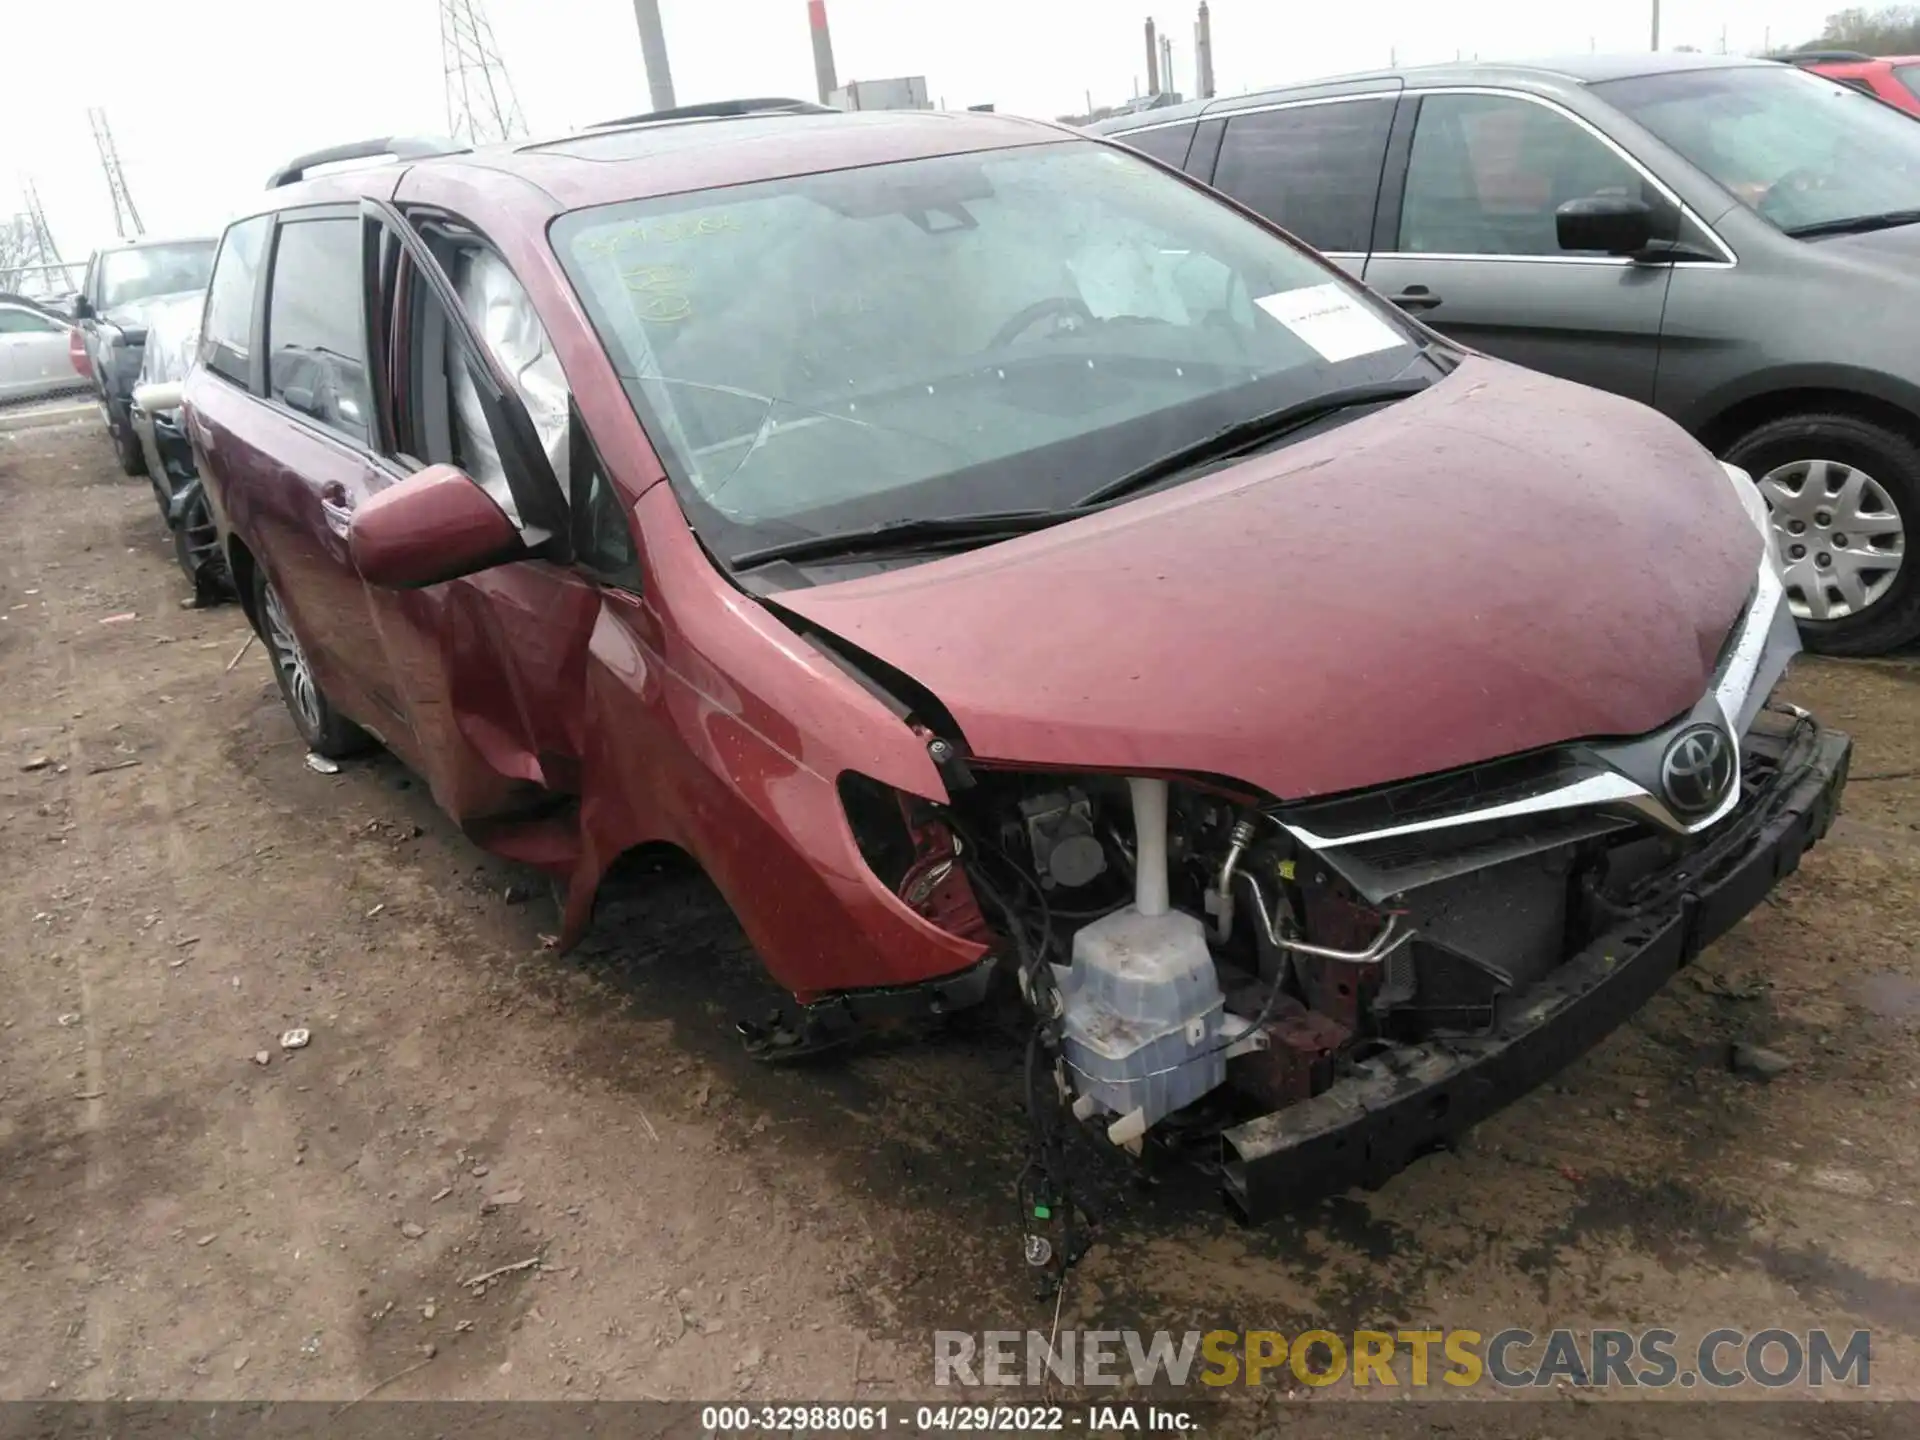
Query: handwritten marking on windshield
point(669, 231)
point(660, 291)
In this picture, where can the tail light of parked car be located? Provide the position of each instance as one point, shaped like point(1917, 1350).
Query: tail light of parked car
point(77, 352)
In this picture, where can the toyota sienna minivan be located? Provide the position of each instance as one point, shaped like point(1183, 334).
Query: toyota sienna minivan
point(985, 552)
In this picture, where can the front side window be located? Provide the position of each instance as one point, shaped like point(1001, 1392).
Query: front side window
point(316, 337)
point(1804, 153)
point(1487, 172)
point(226, 332)
point(952, 335)
point(129, 276)
point(1313, 168)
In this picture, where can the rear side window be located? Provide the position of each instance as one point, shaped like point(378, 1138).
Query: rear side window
point(316, 337)
point(1162, 142)
point(1909, 76)
point(227, 330)
point(24, 322)
point(1313, 168)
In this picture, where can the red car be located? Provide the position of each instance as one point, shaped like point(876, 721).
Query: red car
point(980, 547)
point(1892, 78)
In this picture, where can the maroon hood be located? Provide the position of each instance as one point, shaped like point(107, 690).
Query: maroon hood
point(1500, 563)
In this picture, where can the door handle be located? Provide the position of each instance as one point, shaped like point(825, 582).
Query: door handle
point(1417, 297)
point(337, 506)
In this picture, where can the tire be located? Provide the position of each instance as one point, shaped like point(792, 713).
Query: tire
point(196, 546)
point(1865, 599)
point(326, 731)
point(126, 443)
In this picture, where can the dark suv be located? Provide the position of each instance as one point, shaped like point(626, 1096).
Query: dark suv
point(123, 284)
point(1734, 242)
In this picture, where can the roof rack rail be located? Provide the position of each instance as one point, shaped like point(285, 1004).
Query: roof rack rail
point(721, 110)
point(398, 147)
point(1817, 57)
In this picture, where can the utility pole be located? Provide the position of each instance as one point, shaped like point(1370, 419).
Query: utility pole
point(481, 106)
point(1203, 54)
point(826, 78)
point(1656, 25)
point(126, 219)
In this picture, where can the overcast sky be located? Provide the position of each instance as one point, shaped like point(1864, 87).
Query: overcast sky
point(207, 96)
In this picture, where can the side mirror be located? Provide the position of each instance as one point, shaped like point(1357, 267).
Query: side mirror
point(434, 526)
point(1611, 224)
point(82, 308)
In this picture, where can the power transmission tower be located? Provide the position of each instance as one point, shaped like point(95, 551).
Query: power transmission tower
point(481, 105)
point(126, 219)
point(48, 252)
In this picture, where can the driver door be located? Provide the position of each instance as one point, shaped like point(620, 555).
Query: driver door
point(489, 666)
point(1475, 255)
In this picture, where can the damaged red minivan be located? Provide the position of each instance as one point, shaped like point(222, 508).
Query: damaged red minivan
point(979, 546)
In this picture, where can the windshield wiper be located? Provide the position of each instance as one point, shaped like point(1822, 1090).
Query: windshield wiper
point(1856, 224)
point(901, 535)
point(1244, 435)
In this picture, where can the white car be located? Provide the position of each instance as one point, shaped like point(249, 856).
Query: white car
point(34, 358)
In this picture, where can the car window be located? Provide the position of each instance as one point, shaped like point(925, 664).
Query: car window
point(1487, 172)
point(1909, 76)
point(445, 420)
point(129, 276)
point(1163, 142)
point(1794, 147)
point(951, 335)
point(227, 330)
point(1313, 168)
point(316, 337)
point(24, 322)
point(602, 537)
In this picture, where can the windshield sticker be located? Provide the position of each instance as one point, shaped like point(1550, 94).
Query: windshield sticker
point(1333, 322)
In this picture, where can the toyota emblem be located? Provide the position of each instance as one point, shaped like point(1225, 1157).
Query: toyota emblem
point(1697, 770)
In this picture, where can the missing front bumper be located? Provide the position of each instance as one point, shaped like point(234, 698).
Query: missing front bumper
point(1366, 1128)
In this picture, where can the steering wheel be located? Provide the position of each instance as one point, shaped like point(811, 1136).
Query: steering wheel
point(1800, 180)
point(1028, 316)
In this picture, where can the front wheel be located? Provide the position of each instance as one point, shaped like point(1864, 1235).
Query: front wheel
point(326, 731)
point(1841, 490)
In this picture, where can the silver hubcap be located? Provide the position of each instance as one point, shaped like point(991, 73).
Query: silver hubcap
point(292, 661)
point(1840, 537)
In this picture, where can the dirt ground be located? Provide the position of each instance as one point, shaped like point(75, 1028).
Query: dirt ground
point(190, 1211)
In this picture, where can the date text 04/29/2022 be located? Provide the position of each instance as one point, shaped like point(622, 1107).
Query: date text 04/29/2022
point(1104, 1418)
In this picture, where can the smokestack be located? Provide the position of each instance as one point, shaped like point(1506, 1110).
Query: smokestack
point(653, 49)
point(1166, 63)
point(823, 75)
point(1203, 54)
point(1153, 60)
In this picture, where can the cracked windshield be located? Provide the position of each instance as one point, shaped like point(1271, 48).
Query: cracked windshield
point(1033, 322)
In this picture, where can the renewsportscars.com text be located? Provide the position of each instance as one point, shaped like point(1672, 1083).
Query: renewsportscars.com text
point(1511, 1359)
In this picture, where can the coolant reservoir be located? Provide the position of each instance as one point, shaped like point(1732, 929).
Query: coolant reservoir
point(1144, 1014)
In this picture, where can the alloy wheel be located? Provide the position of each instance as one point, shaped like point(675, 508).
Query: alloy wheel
point(1841, 538)
point(292, 661)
